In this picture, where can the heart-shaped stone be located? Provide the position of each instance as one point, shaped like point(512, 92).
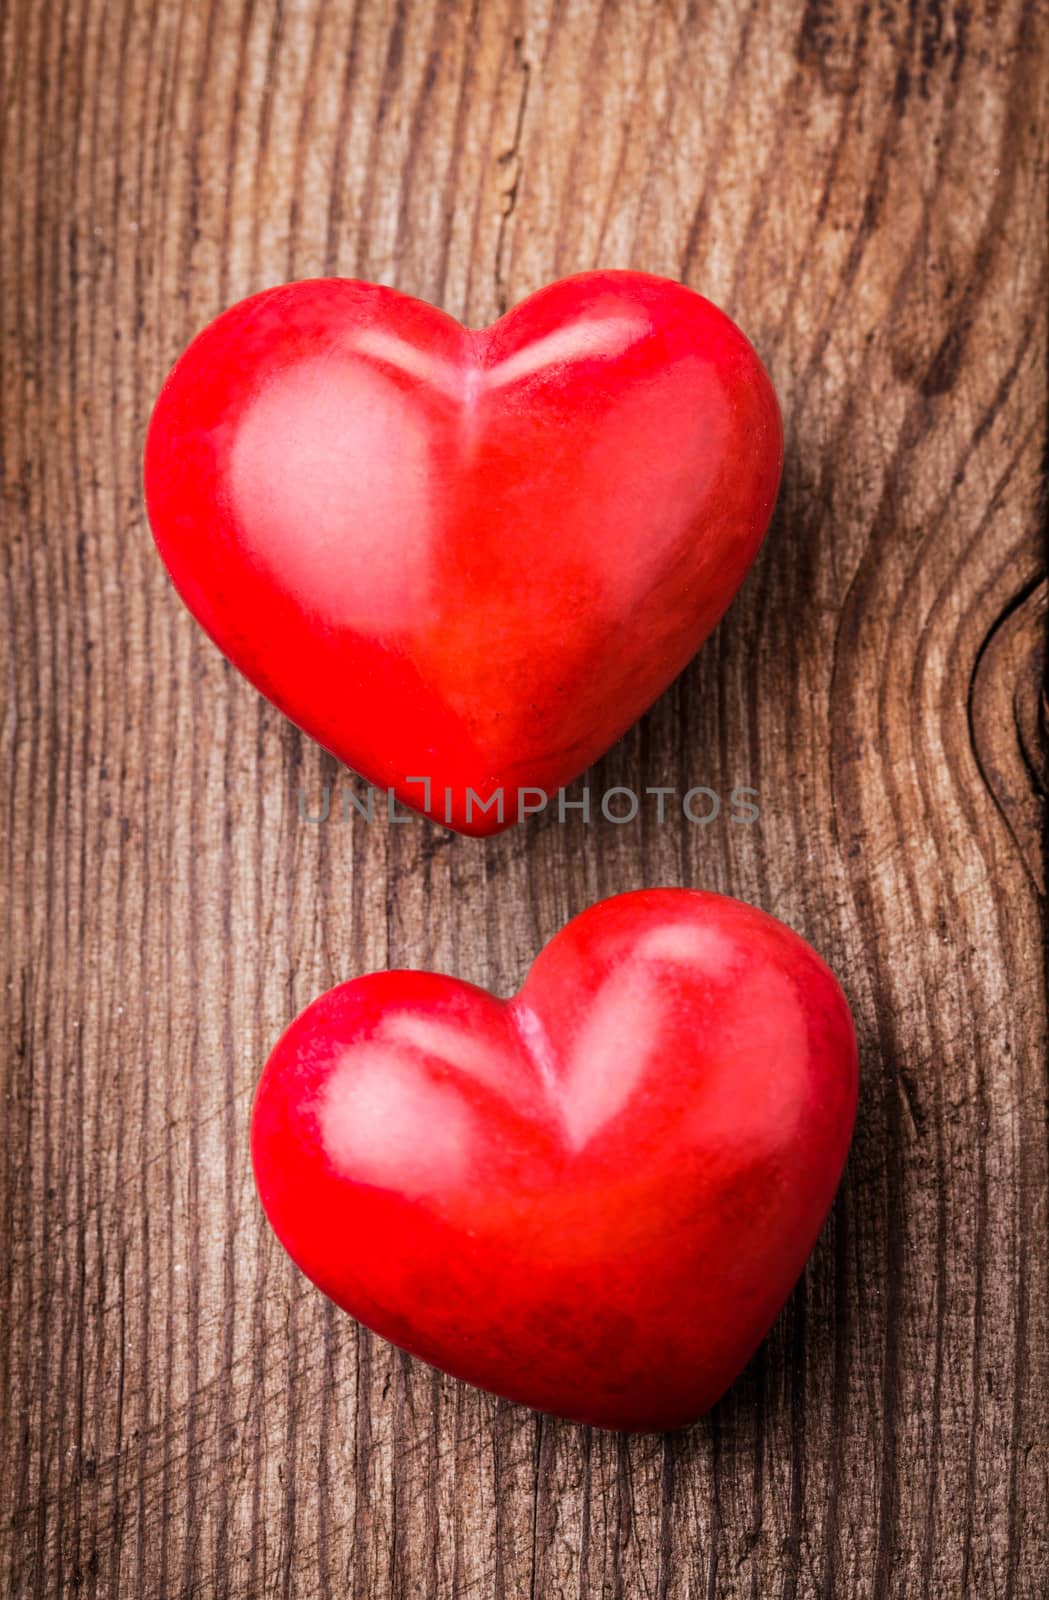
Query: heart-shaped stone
point(593, 1198)
point(464, 562)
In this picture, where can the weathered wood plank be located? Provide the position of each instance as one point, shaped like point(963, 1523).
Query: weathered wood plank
point(863, 188)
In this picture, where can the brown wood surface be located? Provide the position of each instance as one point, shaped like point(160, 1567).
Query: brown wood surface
point(863, 187)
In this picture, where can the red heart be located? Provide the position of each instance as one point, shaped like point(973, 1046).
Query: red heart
point(593, 1198)
point(468, 557)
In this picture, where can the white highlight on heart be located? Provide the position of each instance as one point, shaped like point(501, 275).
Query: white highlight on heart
point(377, 344)
point(612, 1051)
point(610, 1054)
point(314, 476)
point(593, 340)
point(596, 339)
point(385, 1120)
point(540, 1051)
point(388, 1118)
point(707, 948)
point(443, 1042)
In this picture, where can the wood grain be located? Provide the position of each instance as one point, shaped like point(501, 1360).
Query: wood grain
point(863, 187)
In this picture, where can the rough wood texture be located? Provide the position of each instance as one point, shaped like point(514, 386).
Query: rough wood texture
point(863, 187)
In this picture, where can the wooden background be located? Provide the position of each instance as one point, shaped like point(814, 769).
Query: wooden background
point(863, 187)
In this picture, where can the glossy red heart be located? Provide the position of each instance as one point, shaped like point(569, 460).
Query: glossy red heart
point(470, 558)
point(593, 1198)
